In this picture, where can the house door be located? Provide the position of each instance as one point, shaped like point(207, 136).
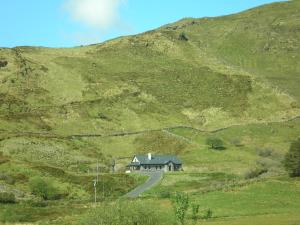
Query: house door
point(171, 167)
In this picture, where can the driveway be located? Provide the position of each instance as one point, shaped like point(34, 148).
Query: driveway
point(154, 178)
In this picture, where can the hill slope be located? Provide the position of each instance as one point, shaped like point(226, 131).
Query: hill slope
point(208, 73)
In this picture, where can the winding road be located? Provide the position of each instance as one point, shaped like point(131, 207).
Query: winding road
point(154, 178)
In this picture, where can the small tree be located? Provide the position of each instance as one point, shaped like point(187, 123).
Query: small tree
point(195, 211)
point(183, 37)
point(43, 188)
point(180, 204)
point(292, 159)
point(215, 143)
point(208, 214)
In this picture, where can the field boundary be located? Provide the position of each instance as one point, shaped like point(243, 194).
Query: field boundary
point(129, 133)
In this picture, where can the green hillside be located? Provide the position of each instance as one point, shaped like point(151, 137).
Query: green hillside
point(167, 90)
point(227, 70)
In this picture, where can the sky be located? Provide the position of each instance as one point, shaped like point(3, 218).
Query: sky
point(68, 23)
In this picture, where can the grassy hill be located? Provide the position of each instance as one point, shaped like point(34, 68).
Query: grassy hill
point(167, 90)
point(209, 73)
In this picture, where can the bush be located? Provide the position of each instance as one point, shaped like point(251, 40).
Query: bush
point(7, 198)
point(183, 37)
point(207, 214)
point(256, 172)
point(236, 142)
point(165, 194)
point(44, 189)
point(127, 212)
point(265, 152)
point(292, 159)
point(195, 211)
point(215, 143)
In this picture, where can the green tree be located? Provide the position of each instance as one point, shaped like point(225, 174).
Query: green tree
point(208, 214)
point(43, 188)
point(180, 204)
point(215, 143)
point(195, 211)
point(292, 159)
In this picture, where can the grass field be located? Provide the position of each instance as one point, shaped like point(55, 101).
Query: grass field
point(262, 201)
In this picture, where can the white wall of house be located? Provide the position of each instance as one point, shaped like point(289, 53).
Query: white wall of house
point(135, 160)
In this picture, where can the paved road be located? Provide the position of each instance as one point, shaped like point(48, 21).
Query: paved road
point(154, 178)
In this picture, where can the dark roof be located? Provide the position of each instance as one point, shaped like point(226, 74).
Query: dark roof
point(155, 160)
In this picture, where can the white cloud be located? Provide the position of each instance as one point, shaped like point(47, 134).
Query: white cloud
point(99, 14)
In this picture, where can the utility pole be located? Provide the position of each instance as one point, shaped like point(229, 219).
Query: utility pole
point(97, 170)
point(113, 165)
point(103, 187)
point(95, 189)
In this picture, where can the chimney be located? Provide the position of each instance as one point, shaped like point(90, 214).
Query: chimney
point(149, 156)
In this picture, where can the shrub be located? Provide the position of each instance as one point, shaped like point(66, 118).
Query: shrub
point(195, 211)
point(183, 37)
point(256, 172)
point(44, 189)
point(6, 198)
point(127, 212)
point(215, 143)
point(207, 214)
point(165, 194)
point(236, 142)
point(292, 159)
point(265, 152)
